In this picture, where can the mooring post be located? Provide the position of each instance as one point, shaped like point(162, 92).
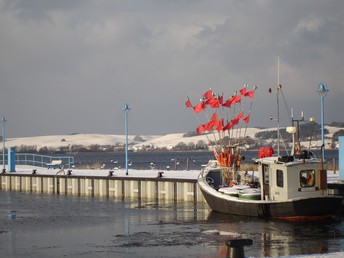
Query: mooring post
point(236, 247)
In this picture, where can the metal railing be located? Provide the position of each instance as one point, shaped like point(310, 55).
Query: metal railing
point(40, 160)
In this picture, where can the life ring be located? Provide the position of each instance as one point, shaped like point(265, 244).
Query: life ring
point(310, 179)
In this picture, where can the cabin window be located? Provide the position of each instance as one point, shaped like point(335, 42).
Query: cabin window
point(266, 173)
point(279, 177)
point(307, 178)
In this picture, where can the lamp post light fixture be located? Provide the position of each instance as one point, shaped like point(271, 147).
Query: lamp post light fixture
point(322, 91)
point(3, 120)
point(126, 112)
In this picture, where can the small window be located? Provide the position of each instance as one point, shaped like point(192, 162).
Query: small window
point(279, 177)
point(307, 178)
point(266, 173)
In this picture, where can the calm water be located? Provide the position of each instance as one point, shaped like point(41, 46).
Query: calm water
point(60, 226)
point(163, 160)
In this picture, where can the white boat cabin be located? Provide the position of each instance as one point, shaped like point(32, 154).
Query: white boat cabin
point(287, 178)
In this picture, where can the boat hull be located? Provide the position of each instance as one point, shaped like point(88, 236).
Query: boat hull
point(298, 209)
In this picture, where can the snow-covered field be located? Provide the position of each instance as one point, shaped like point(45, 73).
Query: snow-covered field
point(159, 141)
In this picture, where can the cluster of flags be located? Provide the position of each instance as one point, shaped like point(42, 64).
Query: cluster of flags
point(209, 99)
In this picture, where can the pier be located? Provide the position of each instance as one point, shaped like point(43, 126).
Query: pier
point(109, 185)
point(158, 189)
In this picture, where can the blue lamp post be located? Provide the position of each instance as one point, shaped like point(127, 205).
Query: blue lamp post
point(322, 91)
point(3, 120)
point(126, 112)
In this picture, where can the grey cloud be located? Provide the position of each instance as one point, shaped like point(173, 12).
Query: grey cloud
point(80, 61)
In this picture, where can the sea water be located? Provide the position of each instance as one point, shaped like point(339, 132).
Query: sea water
point(37, 225)
point(164, 160)
point(70, 226)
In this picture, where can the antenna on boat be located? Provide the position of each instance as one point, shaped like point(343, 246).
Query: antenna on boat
point(296, 130)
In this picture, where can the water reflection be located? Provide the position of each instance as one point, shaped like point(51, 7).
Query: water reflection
point(55, 226)
point(278, 238)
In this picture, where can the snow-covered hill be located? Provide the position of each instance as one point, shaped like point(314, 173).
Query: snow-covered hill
point(155, 141)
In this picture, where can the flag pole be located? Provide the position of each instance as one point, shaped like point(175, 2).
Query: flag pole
point(189, 105)
point(206, 135)
point(249, 111)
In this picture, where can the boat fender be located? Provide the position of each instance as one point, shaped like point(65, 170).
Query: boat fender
point(222, 160)
point(229, 159)
point(265, 152)
point(238, 160)
point(298, 149)
point(232, 183)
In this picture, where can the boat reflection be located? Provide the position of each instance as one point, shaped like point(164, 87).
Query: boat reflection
point(273, 238)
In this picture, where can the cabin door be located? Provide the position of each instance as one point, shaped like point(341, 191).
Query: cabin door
point(266, 179)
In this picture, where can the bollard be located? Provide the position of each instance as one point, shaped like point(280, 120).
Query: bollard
point(110, 173)
point(69, 172)
point(3, 171)
point(160, 174)
point(236, 247)
point(34, 171)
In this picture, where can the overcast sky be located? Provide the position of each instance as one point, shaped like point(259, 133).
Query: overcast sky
point(69, 66)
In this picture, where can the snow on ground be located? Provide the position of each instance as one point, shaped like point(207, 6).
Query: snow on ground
point(182, 174)
point(160, 141)
point(72, 139)
point(150, 173)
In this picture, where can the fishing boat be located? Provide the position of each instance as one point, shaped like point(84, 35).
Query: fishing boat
point(290, 187)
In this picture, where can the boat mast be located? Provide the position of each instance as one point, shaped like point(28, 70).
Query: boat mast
point(278, 118)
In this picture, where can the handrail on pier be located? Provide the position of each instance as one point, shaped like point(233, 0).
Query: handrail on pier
point(41, 160)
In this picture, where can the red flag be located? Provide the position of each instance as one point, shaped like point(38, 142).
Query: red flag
point(208, 101)
point(229, 102)
point(227, 126)
point(188, 103)
point(243, 91)
point(235, 121)
point(208, 94)
point(221, 99)
point(219, 125)
point(249, 94)
point(247, 119)
point(198, 108)
point(200, 129)
point(208, 126)
point(213, 102)
point(214, 118)
point(237, 99)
